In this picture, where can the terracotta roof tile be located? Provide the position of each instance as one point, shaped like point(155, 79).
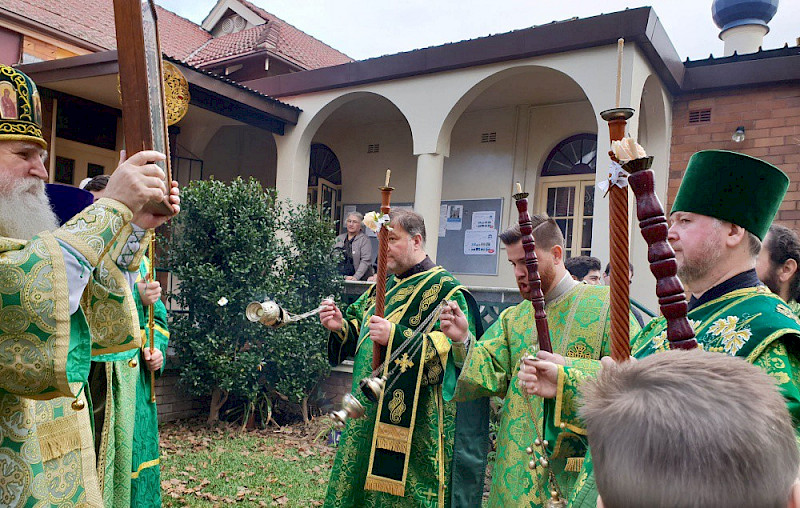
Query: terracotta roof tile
point(235, 44)
point(93, 22)
point(299, 47)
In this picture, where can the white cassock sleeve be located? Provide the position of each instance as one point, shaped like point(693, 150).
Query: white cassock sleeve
point(79, 271)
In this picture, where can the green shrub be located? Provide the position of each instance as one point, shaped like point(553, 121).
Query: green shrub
point(228, 243)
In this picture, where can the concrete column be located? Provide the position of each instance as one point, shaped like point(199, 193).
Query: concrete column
point(291, 179)
point(428, 196)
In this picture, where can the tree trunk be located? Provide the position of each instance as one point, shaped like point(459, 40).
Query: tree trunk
point(218, 398)
point(304, 409)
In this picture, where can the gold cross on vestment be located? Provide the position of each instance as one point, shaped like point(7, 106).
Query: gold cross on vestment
point(404, 363)
point(430, 494)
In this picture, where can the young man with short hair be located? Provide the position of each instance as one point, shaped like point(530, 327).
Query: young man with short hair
point(585, 269)
point(690, 429)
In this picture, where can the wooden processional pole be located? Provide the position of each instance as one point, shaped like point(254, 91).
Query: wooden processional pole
point(383, 251)
point(618, 233)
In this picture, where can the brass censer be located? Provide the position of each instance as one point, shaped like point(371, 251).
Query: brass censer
point(351, 408)
point(272, 315)
point(374, 386)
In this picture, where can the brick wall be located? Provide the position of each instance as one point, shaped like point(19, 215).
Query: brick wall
point(174, 403)
point(771, 118)
point(336, 386)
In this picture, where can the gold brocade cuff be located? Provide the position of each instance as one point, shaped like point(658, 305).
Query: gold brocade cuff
point(566, 411)
point(94, 230)
point(342, 334)
point(121, 245)
point(442, 344)
point(461, 349)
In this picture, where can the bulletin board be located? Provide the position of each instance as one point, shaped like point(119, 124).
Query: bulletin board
point(468, 234)
point(473, 248)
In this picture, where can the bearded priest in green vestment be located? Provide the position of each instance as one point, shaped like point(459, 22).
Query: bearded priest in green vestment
point(61, 301)
point(716, 226)
point(578, 318)
point(412, 448)
point(778, 265)
point(127, 441)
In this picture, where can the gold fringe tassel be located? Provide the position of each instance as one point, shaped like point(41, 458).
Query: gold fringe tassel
point(387, 443)
point(386, 485)
point(574, 464)
point(59, 437)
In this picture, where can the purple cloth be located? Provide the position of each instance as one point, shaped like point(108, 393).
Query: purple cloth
point(67, 201)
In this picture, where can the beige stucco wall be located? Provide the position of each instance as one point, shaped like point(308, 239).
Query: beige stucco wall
point(362, 172)
point(241, 150)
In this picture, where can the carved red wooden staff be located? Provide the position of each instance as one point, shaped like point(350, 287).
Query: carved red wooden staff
point(383, 250)
point(619, 252)
point(532, 264)
point(653, 224)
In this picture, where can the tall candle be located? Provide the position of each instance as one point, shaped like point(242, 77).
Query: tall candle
point(620, 44)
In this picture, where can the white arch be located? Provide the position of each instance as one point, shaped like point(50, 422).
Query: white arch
point(294, 147)
point(463, 102)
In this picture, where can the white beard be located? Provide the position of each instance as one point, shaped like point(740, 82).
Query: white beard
point(25, 209)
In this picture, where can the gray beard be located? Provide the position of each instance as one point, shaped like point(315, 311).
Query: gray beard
point(25, 211)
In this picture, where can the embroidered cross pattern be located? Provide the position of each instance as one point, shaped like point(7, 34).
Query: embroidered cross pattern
point(404, 363)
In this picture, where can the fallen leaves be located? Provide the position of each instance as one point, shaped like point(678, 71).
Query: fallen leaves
point(204, 466)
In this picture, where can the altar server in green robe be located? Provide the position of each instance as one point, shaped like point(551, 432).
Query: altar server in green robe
point(716, 226)
point(127, 441)
point(578, 318)
point(406, 451)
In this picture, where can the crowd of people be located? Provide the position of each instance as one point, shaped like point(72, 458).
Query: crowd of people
point(712, 427)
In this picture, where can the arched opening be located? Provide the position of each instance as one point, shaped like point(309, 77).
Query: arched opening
point(241, 151)
point(511, 126)
point(359, 136)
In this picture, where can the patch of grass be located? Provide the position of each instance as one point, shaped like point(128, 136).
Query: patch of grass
point(202, 466)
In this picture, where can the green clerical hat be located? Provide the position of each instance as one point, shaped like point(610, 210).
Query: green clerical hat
point(20, 108)
point(732, 187)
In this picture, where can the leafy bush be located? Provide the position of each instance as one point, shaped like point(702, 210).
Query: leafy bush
point(229, 244)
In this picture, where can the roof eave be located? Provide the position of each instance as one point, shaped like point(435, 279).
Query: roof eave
point(742, 73)
point(242, 104)
point(639, 25)
point(50, 31)
point(232, 60)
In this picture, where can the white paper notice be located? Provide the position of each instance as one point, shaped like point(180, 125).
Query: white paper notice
point(483, 220)
point(455, 214)
point(442, 221)
point(480, 242)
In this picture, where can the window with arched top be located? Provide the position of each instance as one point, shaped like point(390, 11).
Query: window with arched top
point(325, 180)
point(566, 190)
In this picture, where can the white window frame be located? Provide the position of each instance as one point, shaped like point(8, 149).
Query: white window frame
point(579, 182)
